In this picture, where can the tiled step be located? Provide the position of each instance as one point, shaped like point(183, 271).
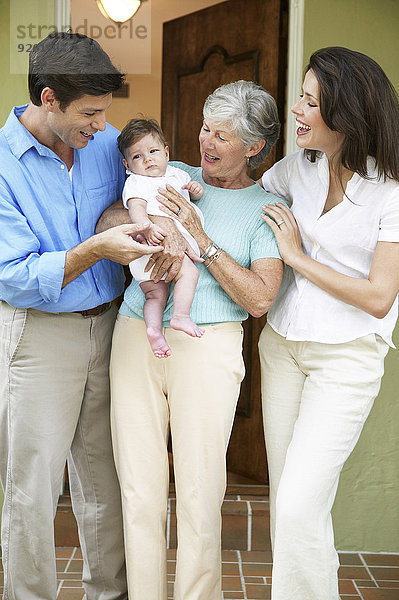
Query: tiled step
point(245, 515)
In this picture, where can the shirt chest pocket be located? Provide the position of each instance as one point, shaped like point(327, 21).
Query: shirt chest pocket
point(100, 198)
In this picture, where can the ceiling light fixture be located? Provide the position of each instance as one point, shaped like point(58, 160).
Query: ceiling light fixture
point(119, 11)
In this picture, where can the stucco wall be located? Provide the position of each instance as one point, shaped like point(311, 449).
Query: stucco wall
point(366, 512)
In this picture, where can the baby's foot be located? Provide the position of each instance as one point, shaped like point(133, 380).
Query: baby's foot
point(158, 343)
point(184, 323)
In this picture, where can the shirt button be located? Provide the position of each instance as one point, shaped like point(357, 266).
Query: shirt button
point(62, 166)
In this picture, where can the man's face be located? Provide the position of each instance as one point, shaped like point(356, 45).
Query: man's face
point(81, 119)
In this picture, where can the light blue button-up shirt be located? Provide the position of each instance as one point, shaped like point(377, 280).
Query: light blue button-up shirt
point(43, 214)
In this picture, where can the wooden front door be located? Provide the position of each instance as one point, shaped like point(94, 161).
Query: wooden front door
point(226, 42)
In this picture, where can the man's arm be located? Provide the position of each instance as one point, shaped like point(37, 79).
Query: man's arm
point(115, 244)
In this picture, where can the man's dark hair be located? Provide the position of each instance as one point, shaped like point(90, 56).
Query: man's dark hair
point(137, 129)
point(72, 65)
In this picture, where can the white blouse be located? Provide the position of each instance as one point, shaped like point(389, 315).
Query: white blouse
point(344, 238)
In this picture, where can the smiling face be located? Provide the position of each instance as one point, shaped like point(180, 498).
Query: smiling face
point(81, 119)
point(312, 132)
point(148, 156)
point(223, 155)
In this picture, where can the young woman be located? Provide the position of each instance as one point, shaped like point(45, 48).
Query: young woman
point(323, 350)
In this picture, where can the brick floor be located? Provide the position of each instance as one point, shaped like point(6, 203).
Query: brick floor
point(247, 575)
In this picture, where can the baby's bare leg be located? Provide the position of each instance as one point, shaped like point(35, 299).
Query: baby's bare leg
point(183, 295)
point(156, 295)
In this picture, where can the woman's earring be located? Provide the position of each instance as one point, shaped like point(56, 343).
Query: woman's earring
point(247, 161)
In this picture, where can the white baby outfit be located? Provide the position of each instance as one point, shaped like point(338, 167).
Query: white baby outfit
point(141, 186)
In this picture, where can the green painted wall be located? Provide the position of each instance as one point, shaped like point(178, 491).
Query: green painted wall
point(366, 512)
point(23, 14)
point(13, 86)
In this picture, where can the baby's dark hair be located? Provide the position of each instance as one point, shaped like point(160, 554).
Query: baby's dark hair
point(137, 129)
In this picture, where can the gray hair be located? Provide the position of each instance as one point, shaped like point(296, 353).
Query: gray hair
point(252, 112)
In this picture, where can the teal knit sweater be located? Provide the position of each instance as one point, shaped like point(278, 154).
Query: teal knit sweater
point(233, 222)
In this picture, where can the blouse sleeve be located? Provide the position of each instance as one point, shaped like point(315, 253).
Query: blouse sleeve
point(389, 221)
point(276, 179)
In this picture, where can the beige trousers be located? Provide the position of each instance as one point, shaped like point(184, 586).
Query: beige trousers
point(195, 392)
point(54, 404)
point(316, 399)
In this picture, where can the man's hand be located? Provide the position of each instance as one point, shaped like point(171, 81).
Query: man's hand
point(117, 244)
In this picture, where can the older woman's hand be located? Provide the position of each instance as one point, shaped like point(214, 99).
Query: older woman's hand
point(286, 231)
point(175, 205)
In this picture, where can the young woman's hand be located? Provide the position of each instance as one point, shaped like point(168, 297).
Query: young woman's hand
point(282, 223)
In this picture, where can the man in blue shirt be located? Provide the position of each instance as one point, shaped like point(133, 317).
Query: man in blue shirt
point(59, 169)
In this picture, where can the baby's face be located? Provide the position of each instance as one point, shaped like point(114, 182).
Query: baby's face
point(147, 157)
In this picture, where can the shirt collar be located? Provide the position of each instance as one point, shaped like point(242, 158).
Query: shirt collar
point(322, 164)
point(19, 138)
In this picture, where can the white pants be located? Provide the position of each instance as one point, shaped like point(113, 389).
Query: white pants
point(54, 404)
point(195, 391)
point(316, 398)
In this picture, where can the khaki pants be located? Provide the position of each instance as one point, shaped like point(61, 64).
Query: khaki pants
point(54, 404)
point(316, 399)
point(195, 391)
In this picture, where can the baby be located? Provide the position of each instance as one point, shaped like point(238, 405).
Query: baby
point(146, 155)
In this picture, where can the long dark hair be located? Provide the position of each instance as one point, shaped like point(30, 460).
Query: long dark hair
point(358, 100)
point(73, 65)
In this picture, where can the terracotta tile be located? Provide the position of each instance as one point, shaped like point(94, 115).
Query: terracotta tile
point(66, 529)
point(351, 598)
point(78, 553)
point(388, 584)
point(349, 558)
point(70, 594)
point(260, 509)
point(173, 532)
point(234, 532)
point(233, 596)
point(353, 572)
point(72, 583)
point(61, 564)
point(259, 580)
point(232, 583)
point(171, 566)
point(64, 551)
point(230, 568)
point(385, 573)
point(374, 560)
point(346, 586)
point(258, 592)
point(235, 508)
point(75, 566)
point(171, 554)
point(365, 583)
point(229, 555)
point(260, 534)
point(256, 556)
point(377, 594)
point(256, 569)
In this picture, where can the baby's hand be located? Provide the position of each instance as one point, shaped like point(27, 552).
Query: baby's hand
point(195, 188)
point(155, 234)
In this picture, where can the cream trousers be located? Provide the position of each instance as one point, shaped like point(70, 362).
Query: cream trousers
point(54, 405)
point(316, 399)
point(195, 392)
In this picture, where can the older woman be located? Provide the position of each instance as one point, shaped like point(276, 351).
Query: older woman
point(195, 390)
